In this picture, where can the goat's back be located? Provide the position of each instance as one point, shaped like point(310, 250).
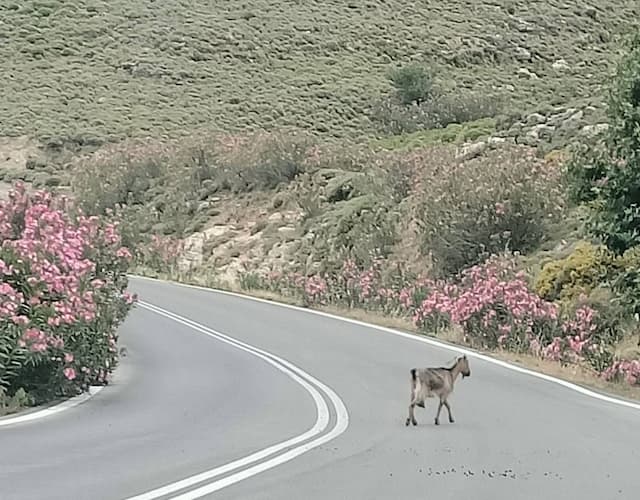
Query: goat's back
point(434, 379)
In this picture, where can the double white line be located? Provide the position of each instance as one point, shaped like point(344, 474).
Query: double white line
point(279, 453)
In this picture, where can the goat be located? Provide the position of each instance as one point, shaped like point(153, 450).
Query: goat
point(431, 382)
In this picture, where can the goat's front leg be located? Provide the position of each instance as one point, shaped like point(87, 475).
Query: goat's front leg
point(446, 403)
point(437, 420)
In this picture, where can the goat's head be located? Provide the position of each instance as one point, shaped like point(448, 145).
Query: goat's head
point(463, 365)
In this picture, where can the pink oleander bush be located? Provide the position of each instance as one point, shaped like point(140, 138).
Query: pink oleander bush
point(491, 303)
point(495, 307)
point(624, 370)
point(62, 296)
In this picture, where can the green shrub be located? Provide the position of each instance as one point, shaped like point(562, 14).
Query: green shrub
point(608, 175)
point(413, 84)
point(474, 208)
point(13, 403)
point(627, 281)
point(453, 133)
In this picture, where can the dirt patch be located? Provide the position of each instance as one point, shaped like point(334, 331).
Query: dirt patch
point(16, 151)
point(14, 154)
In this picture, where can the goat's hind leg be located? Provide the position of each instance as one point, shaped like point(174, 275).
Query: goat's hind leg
point(411, 418)
point(414, 402)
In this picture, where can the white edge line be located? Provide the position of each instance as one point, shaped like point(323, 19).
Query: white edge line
point(299, 376)
point(47, 412)
point(414, 337)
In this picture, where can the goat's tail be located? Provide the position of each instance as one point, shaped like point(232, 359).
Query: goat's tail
point(413, 375)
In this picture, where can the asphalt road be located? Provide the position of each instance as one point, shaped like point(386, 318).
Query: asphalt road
point(187, 400)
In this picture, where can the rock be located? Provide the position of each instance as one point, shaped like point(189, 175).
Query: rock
point(574, 121)
point(216, 231)
point(545, 132)
point(191, 256)
point(202, 206)
point(560, 115)
point(593, 130)
point(538, 133)
point(525, 26)
point(525, 73)
point(560, 65)
point(288, 232)
point(275, 217)
point(515, 129)
point(522, 54)
point(495, 142)
point(536, 119)
point(471, 151)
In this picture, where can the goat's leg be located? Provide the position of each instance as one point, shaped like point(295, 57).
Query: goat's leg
point(414, 401)
point(446, 404)
point(437, 420)
point(412, 406)
point(411, 418)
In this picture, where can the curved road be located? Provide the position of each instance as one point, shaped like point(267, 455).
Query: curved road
point(239, 399)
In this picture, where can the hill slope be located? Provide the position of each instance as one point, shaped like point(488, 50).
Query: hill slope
point(91, 70)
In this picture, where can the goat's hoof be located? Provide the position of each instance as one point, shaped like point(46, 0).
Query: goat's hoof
point(407, 422)
point(415, 422)
point(452, 421)
point(436, 421)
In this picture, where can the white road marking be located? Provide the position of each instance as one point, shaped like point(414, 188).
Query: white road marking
point(298, 375)
point(416, 338)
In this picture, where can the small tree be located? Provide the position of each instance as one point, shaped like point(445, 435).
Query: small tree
point(607, 176)
point(413, 84)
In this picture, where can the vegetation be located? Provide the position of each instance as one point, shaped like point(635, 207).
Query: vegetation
point(63, 282)
point(611, 179)
point(90, 71)
point(363, 155)
point(474, 209)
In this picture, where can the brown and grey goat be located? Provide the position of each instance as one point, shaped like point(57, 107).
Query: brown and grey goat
point(432, 382)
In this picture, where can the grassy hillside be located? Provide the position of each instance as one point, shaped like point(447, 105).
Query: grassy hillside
point(90, 70)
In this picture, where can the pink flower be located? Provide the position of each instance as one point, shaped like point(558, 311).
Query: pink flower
point(124, 253)
point(69, 373)
point(68, 357)
point(39, 347)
